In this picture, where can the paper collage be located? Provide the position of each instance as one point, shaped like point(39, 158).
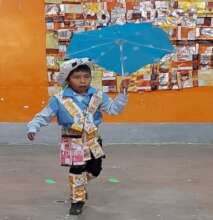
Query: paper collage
point(188, 23)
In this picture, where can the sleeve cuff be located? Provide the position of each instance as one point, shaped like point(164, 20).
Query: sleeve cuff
point(123, 97)
point(33, 130)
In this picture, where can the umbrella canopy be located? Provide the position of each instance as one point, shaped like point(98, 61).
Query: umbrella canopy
point(121, 48)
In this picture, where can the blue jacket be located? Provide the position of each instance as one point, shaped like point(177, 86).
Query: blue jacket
point(55, 108)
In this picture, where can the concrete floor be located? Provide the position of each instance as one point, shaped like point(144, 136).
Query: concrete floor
point(157, 182)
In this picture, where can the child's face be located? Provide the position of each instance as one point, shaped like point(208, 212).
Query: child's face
point(79, 81)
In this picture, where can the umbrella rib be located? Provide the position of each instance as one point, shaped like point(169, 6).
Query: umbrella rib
point(107, 51)
point(151, 47)
point(92, 47)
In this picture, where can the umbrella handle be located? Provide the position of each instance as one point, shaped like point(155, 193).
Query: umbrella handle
point(125, 91)
point(121, 58)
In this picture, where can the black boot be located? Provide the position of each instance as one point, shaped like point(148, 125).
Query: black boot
point(76, 208)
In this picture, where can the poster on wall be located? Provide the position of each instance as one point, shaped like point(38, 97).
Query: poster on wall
point(188, 24)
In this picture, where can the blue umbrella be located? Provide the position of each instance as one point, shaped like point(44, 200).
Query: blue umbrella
point(121, 48)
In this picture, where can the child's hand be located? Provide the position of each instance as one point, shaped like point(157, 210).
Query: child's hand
point(124, 85)
point(31, 136)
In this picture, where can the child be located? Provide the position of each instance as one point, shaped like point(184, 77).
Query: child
point(78, 110)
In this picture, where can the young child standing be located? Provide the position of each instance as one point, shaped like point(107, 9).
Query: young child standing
point(78, 108)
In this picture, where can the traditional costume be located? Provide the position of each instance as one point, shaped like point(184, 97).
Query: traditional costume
point(79, 116)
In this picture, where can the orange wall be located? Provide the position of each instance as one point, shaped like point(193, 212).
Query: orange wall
point(23, 77)
point(188, 105)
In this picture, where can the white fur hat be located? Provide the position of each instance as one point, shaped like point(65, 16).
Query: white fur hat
point(70, 65)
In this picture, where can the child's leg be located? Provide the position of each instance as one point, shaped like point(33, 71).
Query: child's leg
point(93, 168)
point(77, 182)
